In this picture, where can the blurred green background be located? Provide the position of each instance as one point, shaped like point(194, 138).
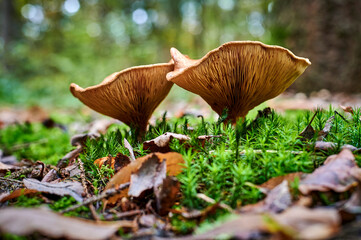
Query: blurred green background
point(46, 45)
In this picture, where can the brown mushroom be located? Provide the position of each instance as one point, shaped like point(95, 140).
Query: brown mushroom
point(238, 76)
point(130, 96)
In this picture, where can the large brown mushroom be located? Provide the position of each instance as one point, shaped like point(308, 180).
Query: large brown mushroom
point(238, 76)
point(130, 96)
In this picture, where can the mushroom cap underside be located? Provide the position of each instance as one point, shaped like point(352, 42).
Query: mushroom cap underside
point(130, 95)
point(238, 75)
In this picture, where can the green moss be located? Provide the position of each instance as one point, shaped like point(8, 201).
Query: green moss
point(35, 142)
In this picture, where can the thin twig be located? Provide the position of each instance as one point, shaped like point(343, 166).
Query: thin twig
point(212, 201)
point(106, 194)
point(341, 116)
point(124, 214)
point(260, 151)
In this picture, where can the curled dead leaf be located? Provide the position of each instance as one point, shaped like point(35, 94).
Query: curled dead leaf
point(116, 163)
point(148, 176)
point(74, 189)
point(161, 143)
point(17, 193)
point(174, 166)
point(339, 173)
point(275, 181)
point(278, 199)
point(166, 194)
point(305, 223)
point(25, 221)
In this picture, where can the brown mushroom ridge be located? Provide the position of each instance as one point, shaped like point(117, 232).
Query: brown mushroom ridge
point(130, 96)
point(238, 75)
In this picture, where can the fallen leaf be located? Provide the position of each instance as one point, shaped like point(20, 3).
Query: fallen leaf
point(148, 176)
point(245, 226)
point(6, 167)
point(130, 148)
point(353, 205)
point(305, 223)
point(197, 214)
point(116, 163)
point(80, 139)
point(63, 162)
point(50, 176)
point(17, 193)
point(347, 109)
point(277, 200)
point(308, 132)
point(325, 146)
point(25, 221)
point(161, 143)
point(339, 173)
point(275, 181)
point(10, 160)
point(326, 130)
point(70, 171)
point(174, 165)
point(74, 189)
point(166, 194)
point(204, 138)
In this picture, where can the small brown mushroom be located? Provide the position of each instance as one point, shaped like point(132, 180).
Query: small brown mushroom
point(130, 96)
point(238, 76)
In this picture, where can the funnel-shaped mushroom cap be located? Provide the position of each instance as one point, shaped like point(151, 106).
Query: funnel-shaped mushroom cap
point(238, 75)
point(130, 95)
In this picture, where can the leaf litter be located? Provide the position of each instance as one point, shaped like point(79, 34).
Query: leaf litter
point(144, 193)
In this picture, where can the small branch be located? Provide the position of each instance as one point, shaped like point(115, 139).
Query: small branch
point(260, 151)
point(106, 194)
point(341, 116)
point(124, 214)
point(212, 201)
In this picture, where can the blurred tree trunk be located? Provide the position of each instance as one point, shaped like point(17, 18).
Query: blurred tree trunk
point(328, 32)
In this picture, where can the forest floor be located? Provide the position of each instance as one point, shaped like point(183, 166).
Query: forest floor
point(291, 171)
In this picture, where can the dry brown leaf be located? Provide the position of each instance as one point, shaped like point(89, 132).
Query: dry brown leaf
point(116, 163)
point(275, 181)
point(6, 167)
point(245, 226)
point(166, 194)
point(50, 176)
point(308, 132)
point(148, 176)
point(353, 204)
point(204, 138)
point(25, 221)
point(174, 162)
point(17, 193)
point(10, 160)
point(339, 173)
point(305, 223)
point(74, 189)
point(130, 148)
point(161, 143)
point(326, 130)
point(277, 200)
point(347, 109)
point(62, 163)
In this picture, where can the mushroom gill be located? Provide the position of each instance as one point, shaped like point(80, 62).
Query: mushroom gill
point(238, 75)
point(130, 96)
